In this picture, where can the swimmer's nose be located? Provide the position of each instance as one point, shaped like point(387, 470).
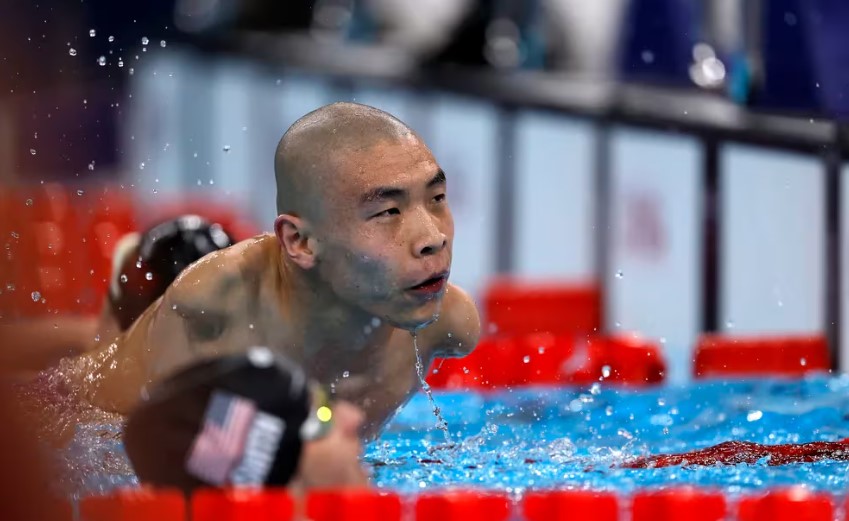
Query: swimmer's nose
point(431, 240)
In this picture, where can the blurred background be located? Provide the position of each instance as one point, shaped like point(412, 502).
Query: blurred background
point(679, 163)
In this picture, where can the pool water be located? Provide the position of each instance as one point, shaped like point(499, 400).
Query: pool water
point(518, 439)
point(575, 438)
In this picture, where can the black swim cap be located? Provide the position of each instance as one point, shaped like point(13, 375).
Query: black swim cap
point(230, 421)
point(145, 270)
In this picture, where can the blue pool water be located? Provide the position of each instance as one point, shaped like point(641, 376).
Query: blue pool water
point(544, 437)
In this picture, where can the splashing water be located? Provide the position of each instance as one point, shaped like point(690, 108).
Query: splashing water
point(84, 441)
point(441, 424)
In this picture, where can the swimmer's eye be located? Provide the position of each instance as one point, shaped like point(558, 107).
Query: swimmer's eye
point(439, 198)
point(386, 213)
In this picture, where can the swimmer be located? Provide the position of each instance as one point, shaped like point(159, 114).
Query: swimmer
point(143, 266)
point(281, 427)
point(358, 262)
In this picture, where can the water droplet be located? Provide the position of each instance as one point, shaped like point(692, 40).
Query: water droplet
point(72, 51)
point(619, 274)
point(211, 182)
point(781, 303)
point(608, 410)
point(595, 389)
point(10, 286)
point(32, 151)
point(244, 129)
point(91, 33)
point(162, 43)
point(144, 40)
point(250, 326)
point(138, 263)
point(647, 56)
point(729, 324)
point(120, 62)
point(123, 278)
point(465, 370)
point(29, 202)
point(174, 307)
point(15, 235)
point(101, 61)
point(91, 166)
point(148, 276)
point(663, 340)
point(790, 19)
point(226, 148)
point(111, 39)
point(141, 165)
point(346, 374)
point(526, 359)
point(605, 371)
point(155, 191)
point(754, 416)
point(80, 192)
point(97, 338)
point(541, 349)
point(803, 362)
point(131, 71)
point(618, 324)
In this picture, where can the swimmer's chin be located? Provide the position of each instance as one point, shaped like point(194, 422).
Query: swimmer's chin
point(413, 325)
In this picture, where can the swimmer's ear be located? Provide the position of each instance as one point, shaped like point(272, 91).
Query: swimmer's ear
point(294, 237)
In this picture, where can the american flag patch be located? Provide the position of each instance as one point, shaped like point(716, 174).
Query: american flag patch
point(219, 445)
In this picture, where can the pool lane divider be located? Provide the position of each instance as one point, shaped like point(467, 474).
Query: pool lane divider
point(548, 359)
point(737, 356)
point(684, 503)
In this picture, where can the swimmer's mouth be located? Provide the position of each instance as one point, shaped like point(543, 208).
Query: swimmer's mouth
point(432, 285)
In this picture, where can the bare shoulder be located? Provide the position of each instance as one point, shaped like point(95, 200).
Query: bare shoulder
point(220, 278)
point(455, 333)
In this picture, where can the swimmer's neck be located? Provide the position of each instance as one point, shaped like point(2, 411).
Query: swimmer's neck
point(320, 319)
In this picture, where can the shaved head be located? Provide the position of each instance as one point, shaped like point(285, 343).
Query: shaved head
point(313, 149)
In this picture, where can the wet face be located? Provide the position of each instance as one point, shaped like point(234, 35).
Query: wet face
point(385, 232)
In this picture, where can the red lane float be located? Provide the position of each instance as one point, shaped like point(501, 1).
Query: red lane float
point(548, 359)
point(140, 504)
point(514, 307)
point(570, 505)
point(794, 504)
point(736, 452)
point(688, 503)
point(267, 504)
point(463, 505)
point(739, 356)
point(353, 505)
